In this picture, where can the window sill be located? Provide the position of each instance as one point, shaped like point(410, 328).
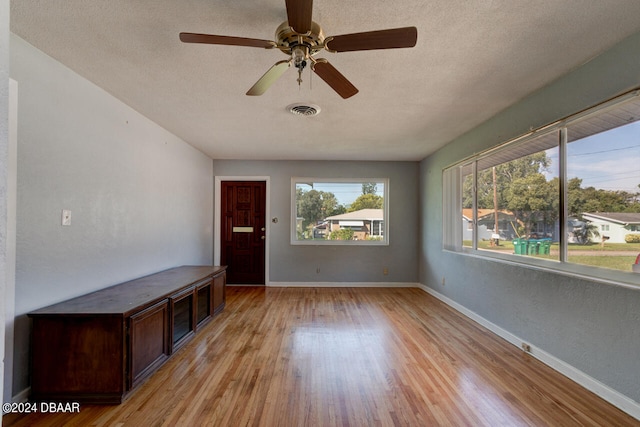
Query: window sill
point(605, 276)
point(320, 242)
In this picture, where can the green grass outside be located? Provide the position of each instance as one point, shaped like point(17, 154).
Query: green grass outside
point(616, 262)
point(507, 245)
point(633, 247)
point(622, 263)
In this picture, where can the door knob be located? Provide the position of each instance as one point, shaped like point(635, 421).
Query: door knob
point(263, 237)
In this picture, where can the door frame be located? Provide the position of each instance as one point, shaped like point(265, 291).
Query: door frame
point(8, 294)
point(217, 203)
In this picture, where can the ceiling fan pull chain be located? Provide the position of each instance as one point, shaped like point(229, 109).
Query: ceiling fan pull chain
point(299, 77)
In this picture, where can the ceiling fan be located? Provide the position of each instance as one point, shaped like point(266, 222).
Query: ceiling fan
point(301, 39)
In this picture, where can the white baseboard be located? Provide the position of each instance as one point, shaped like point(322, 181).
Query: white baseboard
point(21, 397)
point(343, 285)
point(612, 396)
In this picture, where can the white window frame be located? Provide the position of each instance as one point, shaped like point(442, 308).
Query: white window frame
point(326, 242)
point(452, 207)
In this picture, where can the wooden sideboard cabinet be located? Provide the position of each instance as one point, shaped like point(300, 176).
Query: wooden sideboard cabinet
point(98, 347)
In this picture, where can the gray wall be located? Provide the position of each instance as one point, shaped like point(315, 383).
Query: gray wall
point(4, 141)
point(592, 326)
point(141, 198)
point(338, 263)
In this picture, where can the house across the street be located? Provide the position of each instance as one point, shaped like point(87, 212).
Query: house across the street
point(365, 223)
point(614, 225)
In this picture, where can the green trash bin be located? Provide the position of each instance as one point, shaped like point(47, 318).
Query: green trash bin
point(520, 246)
point(532, 246)
point(545, 247)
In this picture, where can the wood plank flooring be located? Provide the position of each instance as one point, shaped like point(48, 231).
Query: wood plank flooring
point(346, 357)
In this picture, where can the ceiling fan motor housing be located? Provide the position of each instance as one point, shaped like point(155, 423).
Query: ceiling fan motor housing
point(287, 39)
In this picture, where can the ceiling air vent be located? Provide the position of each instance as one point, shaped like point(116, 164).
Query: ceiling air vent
point(302, 109)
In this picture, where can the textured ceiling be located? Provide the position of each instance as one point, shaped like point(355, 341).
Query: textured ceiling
point(473, 58)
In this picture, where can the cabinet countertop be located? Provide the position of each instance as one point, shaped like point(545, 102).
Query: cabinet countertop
point(134, 295)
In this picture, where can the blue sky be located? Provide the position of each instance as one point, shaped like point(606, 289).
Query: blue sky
point(345, 192)
point(608, 160)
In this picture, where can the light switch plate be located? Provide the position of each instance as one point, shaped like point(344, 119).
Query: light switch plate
point(66, 217)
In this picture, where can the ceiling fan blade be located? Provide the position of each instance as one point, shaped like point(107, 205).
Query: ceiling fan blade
point(382, 39)
point(269, 78)
point(225, 40)
point(334, 78)
point(299, 15)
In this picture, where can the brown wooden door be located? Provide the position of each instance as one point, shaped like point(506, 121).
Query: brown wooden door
point(243, 231)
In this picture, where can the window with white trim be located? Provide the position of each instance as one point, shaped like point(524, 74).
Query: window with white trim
point(568, 193)
point(329, 211)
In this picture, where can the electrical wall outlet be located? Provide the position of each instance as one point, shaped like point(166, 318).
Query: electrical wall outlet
point(385, 270)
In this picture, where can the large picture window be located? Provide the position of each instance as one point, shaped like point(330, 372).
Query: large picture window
point(568, 194)
point(339, 212)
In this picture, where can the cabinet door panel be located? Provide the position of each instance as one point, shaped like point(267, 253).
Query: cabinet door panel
point(203, 304)
point(219, 293)
point(183, 318)
point(149, 335)
point(74, 355)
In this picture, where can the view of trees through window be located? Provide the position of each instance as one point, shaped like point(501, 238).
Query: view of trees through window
point(516, 207)
point(339, 211)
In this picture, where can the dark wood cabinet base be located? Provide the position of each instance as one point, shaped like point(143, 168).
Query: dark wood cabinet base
point(98, 347)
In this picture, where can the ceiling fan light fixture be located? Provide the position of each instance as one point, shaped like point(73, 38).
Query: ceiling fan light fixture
point(299, 55)
point(303, 109)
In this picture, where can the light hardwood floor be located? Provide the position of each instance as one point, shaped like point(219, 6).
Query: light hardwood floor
point(346, 357)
